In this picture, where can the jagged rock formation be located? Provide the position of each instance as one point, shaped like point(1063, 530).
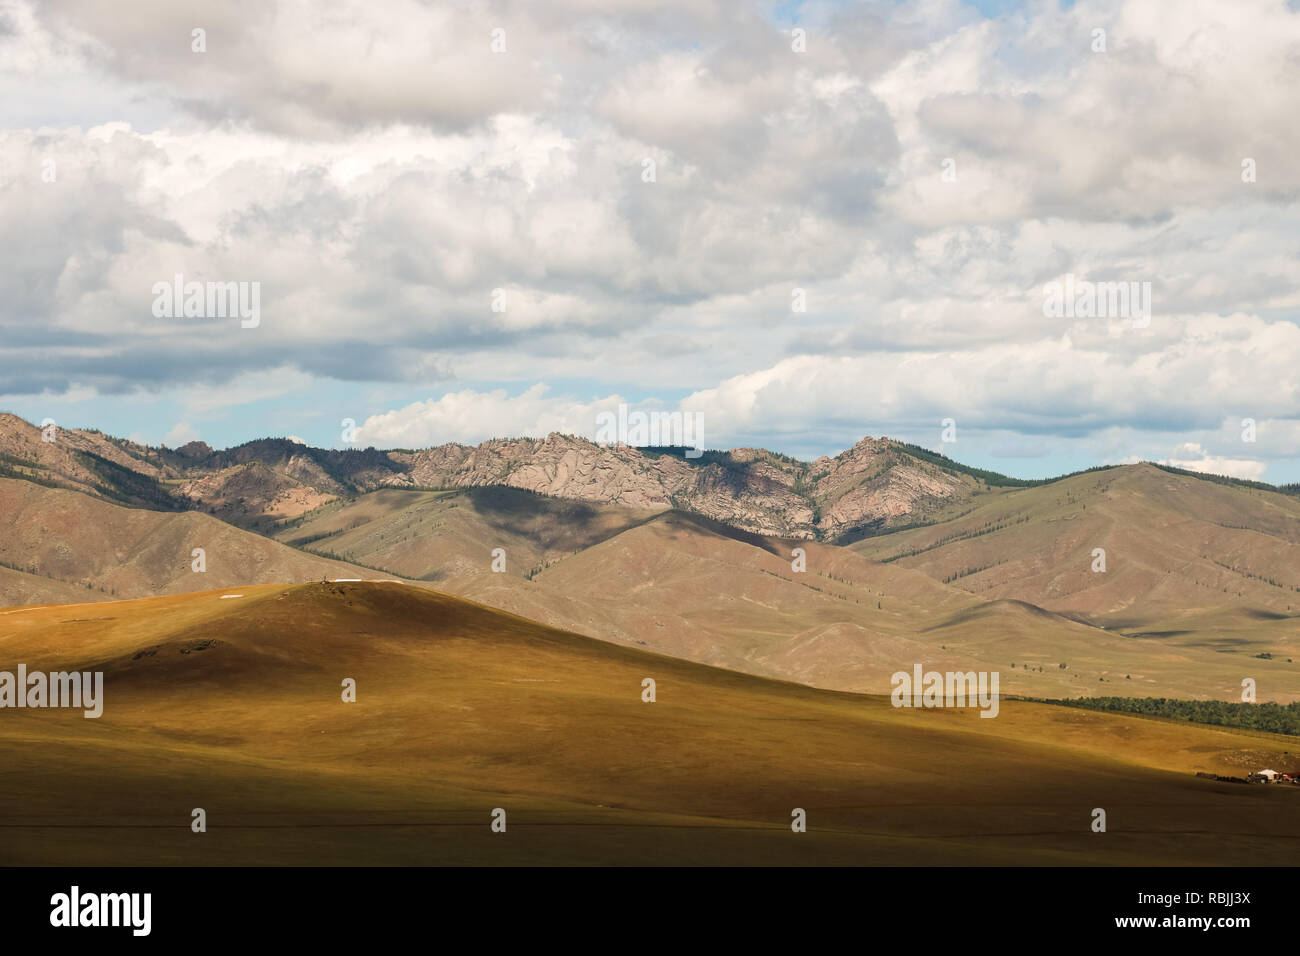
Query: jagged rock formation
point(875, 485)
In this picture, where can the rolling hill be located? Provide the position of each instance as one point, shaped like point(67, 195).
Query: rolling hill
point(60, 545)
point(680, 584)
point(1182, 553)
point(234, 706)
point(676, 586)
point(436, 535)
point(1202, 579)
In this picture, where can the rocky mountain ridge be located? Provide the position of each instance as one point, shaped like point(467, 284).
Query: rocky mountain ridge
point(876, 485)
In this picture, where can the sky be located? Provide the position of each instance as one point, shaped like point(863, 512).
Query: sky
point(802, 223)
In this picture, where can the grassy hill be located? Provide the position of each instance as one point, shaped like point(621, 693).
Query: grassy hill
point(1190, 561)
point(689, 586)
point(234, 706)
point(62, 545)
point(684, 585)
point(436, 535)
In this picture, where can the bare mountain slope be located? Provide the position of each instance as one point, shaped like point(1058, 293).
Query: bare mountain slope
point(89, 461)
point(434, 535)
point(710, 594)
point(1175, 546)
point(106, 550)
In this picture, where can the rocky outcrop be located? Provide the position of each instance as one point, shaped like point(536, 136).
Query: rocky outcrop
point(875, 485)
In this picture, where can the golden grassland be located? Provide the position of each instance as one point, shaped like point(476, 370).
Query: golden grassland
point(234, 706)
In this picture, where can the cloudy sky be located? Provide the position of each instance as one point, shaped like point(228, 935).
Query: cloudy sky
point(806, 222)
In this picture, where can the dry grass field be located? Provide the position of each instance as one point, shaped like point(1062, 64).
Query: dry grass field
point(234, 705)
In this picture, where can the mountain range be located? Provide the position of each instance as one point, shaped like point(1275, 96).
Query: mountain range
point(877, 485)
point(833, 573)
point(499, 609)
